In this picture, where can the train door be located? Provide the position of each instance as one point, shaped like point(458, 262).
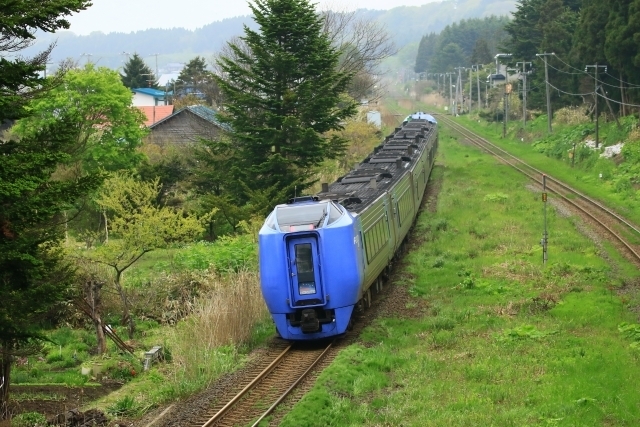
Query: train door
point(305, 272)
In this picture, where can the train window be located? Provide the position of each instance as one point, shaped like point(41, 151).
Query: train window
point(334, 213)
point(271, 221)
point(304, 267)
point(290, 218)
point(304, 263)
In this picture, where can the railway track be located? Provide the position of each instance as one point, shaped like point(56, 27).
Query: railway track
point(624, 232)
point(266, 389)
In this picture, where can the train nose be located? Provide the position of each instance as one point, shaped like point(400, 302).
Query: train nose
point(309, 321)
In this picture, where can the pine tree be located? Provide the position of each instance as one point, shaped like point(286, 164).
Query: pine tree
point(283, 94)
point(195, 79)
point(481, 53)
point(137, 74)
point(32, 276)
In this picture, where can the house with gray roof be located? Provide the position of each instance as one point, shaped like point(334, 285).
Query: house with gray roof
point(187, 125)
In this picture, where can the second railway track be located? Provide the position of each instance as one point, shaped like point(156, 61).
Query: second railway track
point(619, 228)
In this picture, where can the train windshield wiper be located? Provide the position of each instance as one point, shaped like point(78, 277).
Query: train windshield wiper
point(324, 215)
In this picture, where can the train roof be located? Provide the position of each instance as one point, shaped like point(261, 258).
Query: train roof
point(389, 162)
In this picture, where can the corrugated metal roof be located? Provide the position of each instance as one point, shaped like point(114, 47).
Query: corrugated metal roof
point(150, 91)
point(201, 111)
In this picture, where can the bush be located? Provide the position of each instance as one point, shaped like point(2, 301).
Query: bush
point(29, 419)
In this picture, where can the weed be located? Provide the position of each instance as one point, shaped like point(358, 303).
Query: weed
point(124, 407)
point(29, 419)
point(441, 224)
point(523, 332)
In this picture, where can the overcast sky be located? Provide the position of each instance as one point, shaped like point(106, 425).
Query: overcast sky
point(133, 15)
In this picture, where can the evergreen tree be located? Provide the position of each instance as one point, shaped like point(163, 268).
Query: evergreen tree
point(525, 31)
point(195, 79)
point(137, 74)
point(621, 43)
point(481, 53)
point(426, 49)
point(283, 94)
point(32, 276)
point(449, 57)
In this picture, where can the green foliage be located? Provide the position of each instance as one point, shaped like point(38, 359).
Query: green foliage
point(137, 74)
point(523, 332)
point(461, 44)
point(29, 419)
point(225, 255)
point(197, 82)
point(32, 276)
point(283, 94)
point(109, 127)
point(126, 406)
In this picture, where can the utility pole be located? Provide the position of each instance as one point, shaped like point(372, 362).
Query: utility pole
point(459, 89)
point(477, 69)
point(450, 95)
point(524, 92)
point(546, 80)
point(595, 90)
point(470, 88)
point(88, 55)
point(156, 55)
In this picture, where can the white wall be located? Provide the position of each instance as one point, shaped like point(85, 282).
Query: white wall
point(142, 100)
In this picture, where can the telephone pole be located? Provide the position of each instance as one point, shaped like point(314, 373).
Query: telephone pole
point(459, 88)
point(524, 91)
point(546, 80)
point(595, 90)
point(477, 70)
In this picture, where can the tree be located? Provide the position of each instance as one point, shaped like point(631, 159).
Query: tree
point(32, 277)
point(481, 53)
point(137, 74)
point(449, 57)
point(110, 127)
point(426, 49)
point(283, 93)
point(197, 81)
point(138, 226)
point(363, 45)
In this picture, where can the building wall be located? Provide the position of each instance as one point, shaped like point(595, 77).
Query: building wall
point(142, 100)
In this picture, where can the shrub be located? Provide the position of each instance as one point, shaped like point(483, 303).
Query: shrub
point(29, 419)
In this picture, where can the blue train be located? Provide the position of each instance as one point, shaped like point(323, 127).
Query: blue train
point(320, 256)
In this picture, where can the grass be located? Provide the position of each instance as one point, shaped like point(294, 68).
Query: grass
point(505, 341)
point(584, 176)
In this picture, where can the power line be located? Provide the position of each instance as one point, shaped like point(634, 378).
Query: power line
point(629, 85)
point(618, 102)
point(569, 93)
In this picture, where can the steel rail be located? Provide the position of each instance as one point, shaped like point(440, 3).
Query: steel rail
point(248, 387)
point(293, 386)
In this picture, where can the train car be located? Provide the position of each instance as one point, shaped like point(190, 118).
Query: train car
point(320, 255)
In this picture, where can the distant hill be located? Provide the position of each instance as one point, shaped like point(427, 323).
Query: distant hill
point(407, 24)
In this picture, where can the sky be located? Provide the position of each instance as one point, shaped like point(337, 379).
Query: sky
point(135, 15)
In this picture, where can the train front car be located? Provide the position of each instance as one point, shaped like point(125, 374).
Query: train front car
point(310, 269)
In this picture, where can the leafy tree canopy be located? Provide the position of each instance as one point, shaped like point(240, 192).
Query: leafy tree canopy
point(283, 94)
point(110, 127)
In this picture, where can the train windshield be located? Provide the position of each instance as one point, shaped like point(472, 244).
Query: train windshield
point(301, 217)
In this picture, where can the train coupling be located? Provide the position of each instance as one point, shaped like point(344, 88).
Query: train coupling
point(309, 321)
